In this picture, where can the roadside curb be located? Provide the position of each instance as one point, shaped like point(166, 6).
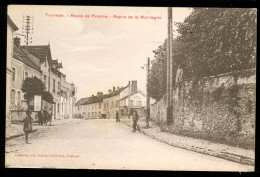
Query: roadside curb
point(33, 131)
point(18, 135)
point(221, 154)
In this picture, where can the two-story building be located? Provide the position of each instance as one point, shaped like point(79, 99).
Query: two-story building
point(111, 103)
point(24, 65)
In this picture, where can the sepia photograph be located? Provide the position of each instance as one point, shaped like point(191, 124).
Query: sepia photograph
point(131, 88)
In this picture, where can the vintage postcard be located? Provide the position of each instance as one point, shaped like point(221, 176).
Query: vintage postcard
point(131, 88)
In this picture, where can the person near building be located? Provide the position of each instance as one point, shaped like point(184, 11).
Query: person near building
point(135, 122)
point(179, 75)
point(45, 115)
point(49, 117)
point(27, 126)
point(40, 116)
point(117, 117)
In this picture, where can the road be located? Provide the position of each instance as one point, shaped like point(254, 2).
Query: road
point(105, 144)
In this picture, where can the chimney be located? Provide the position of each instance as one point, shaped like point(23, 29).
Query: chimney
point(99, 93)
point(92, 95)
point(109, 91)
point(114, 88)
point(17, 42)
point(118, 88)
point(134, 86)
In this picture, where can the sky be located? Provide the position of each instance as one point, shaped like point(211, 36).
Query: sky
point(98, 53)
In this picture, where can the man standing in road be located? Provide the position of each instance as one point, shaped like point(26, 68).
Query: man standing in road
point(135, 122)
point(45, 115)
point(117, 117)
point(27, 126)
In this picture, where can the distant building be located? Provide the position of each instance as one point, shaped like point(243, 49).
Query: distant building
point(111, 102)
point(137, 103)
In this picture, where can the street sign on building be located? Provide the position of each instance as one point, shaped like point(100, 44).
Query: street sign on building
point(37, 102)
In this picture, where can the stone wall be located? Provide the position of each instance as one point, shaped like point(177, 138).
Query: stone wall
point(220, 108)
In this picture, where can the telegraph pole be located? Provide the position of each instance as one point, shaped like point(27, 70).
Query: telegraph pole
point(27, 29)
point(169, 68)
point(148, 96)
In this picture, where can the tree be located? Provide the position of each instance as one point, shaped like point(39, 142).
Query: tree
point(157, 80)
point(32, 86)
point(211, 41)
point(47, 96)
point(217, 40)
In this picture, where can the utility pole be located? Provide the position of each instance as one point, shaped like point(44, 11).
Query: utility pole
point(147, 96)
point(27, 29)
point(169, 68)
point(129, 91)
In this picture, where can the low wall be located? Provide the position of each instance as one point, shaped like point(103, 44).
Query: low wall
point(220, 108)
point(19, 115)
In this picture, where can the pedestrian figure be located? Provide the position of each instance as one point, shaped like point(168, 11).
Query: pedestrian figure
point(49, 117)
point(179, 74)
point(45, 115)
point(40, 116)
point(117, 117)
point(27, 126)
point(135, 122)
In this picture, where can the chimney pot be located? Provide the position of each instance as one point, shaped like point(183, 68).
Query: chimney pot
point(114, 88)
point(17, 42)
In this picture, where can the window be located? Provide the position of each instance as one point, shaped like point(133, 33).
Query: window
point(62, 107)
point(99, 106)
point(13, 79)
point(131, 103)
point(25, 75)
point(58, 108)
point(44, 79)
point(58, 86)
point(53, 88)
point(18, 98)
point(13, 96)
point(139, 103)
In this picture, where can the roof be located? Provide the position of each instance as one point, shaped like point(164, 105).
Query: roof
point(39, 51)
point(81, 101)
point(133, 93)
point(96, 99)
point(116, 92)
point(56, 63)
point(57, 72)
point(11, 23)
point(25, 58)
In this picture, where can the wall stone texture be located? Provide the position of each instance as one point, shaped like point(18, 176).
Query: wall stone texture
point(219, 109)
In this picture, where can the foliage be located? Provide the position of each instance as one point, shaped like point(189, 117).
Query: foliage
point(212, 41)
point(217, 40)
point(32, 86)
point(157, 80)
point(47, 96)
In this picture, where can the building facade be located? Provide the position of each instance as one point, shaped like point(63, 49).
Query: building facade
point(11, 28)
